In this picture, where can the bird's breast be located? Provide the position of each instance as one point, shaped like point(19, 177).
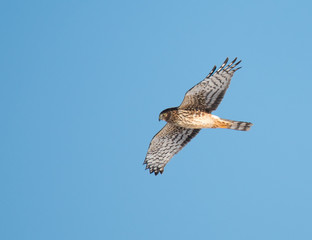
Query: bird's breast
point(194, 119)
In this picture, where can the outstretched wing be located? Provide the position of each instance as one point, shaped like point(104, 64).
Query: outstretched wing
point(208, 94)
point(165, 144)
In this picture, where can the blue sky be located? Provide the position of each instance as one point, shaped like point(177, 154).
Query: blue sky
point(81, 87)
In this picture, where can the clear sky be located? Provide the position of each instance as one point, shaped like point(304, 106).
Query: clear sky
point(81, 87)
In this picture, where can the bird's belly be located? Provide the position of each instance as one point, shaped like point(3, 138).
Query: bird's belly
point(198, 120)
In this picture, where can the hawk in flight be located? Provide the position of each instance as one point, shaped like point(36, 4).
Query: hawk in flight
point(194, 113)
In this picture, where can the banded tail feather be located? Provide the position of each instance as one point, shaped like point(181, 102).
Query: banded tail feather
point(235, 125)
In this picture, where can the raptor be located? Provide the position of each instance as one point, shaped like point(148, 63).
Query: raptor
point(194, 113)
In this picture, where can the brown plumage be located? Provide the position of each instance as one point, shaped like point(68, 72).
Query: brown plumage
point(194, 113)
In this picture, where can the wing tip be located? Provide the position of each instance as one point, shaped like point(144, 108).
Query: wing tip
point(212, 71)
point(232, 65)
point(223, 65)
point(156, 170)
point(153, 169)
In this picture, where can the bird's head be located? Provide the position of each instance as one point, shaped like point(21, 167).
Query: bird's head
point(165, 115)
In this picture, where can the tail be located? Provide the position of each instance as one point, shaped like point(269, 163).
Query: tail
point(236, 125)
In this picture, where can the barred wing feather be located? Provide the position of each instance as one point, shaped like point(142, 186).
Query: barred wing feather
point(165, 144)
point(208, 94)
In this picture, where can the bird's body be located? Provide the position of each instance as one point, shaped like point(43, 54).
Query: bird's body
point(194, 113)
point(198, 119)
point(195, 119)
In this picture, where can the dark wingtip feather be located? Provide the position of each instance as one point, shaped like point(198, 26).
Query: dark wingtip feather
point(212, 71)
point(237, 69)
point(156, 171)
point(223, 65)
point(232, 65)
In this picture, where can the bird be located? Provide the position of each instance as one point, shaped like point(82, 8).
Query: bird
point(194, 113)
